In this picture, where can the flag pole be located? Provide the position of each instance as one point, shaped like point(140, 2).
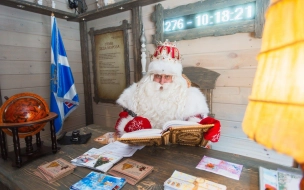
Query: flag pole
point(64, 97)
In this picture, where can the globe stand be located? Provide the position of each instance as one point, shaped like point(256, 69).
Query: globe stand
point(30, 152)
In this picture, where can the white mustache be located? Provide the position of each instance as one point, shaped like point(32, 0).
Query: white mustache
point(157, 86)
point(154, 87)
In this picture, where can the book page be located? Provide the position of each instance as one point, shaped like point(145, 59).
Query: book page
point(103, 162)
point(176, 123)
point(177, 184)
point(183, 176)
point(143, 133)
point(97, 159)
point(85, 157)
point(289, 180)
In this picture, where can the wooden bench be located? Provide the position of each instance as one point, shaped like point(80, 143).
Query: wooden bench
point(204, 79)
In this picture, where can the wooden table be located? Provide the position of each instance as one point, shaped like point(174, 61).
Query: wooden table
point(165, 160)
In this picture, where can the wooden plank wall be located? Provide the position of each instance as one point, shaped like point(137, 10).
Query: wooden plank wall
point(25, 58)
point(233, 56)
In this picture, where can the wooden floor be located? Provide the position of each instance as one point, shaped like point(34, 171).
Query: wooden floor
point(165, 160)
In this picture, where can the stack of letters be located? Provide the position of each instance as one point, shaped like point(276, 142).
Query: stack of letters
point(54, 170)
point(131, 170)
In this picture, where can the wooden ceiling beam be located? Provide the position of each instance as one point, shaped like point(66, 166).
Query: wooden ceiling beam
point(90, 15)
point(113, 9)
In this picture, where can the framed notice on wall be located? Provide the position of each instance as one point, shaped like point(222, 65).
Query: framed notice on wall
point(210, 18)
point(110, 62)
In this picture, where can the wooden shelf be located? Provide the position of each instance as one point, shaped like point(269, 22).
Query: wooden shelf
point(113, 9)
point(35, 8)
point(87, 16)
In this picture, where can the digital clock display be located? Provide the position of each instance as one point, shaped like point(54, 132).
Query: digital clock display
point(213, 17)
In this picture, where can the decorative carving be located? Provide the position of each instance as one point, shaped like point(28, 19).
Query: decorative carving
point(189, 138)
point(143, 51)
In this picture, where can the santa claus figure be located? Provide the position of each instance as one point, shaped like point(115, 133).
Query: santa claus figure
point(164, 94)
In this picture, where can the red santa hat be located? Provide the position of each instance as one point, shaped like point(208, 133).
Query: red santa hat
point(166, 60)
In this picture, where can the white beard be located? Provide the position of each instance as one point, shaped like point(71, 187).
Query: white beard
point(160, 103)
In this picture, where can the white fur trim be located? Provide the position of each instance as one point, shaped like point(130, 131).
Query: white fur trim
point(165, 67)
point(194, 119)
point(121, 125)
point(195, 103)
point(126, 98)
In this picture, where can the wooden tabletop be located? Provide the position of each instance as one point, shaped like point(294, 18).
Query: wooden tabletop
point(165, 160)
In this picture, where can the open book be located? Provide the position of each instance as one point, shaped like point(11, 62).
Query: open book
point(279, 179)
point(175, 132)
point(96, 159)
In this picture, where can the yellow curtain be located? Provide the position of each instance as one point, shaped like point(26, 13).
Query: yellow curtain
point(275, 113)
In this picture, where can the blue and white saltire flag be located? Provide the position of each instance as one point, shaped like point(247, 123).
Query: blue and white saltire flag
point(64, 98)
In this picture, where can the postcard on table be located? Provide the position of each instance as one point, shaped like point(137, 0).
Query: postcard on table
point(120, 149)
point(268, 178)
point(131, 170)
point(106, 138)
point(220, 167)
point(98, 181)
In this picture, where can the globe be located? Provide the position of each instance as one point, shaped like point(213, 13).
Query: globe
point(24, 107)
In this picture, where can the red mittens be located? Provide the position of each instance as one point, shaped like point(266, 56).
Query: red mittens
point(123, 114)
point(137, 123)
point(213, 134)
point(127, 123)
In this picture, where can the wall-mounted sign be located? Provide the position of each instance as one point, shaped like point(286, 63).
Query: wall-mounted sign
point(210, 18)
point(230, 14)
point(110, 62)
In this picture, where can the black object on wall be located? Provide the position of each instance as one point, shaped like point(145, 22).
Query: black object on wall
point(80, 6)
